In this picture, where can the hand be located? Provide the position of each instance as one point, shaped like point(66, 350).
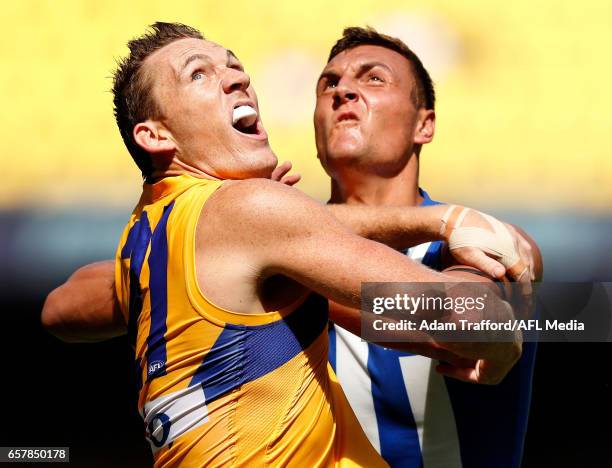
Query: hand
point(492, 356)
point(482, 371)
point(280, 174)
point(488, 371)
point(478, 371)
point(524, 249)
point(479, 240)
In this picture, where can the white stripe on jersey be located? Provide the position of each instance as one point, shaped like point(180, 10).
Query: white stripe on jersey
point(417, 252)
point(352, 372)
point(433, 413)
point(426, 389)
point(170, 416)
point(417, 392)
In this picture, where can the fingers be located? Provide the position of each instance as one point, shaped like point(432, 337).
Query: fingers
point(459, 362)
point(279, 174)
point(484, 372)
point(280, 171)
point(492, 372)
point(291, 179)
point(519, 272)
point(525, 254)
point(465, 374)
point(476, 258)
point(465, 229)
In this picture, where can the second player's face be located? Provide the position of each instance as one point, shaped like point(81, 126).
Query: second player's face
point(197, 85)
point(365, 112)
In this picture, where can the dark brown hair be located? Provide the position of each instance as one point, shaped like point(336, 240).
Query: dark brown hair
point(132, 97)
point(355, 37)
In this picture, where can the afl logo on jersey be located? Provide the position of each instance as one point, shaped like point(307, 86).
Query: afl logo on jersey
point(155, 367)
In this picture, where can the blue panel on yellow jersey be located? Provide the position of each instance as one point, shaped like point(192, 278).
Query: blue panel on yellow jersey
point(264, 347)
point(219, 388)
point(158, 266)
point(137, 241)
point(135, 249)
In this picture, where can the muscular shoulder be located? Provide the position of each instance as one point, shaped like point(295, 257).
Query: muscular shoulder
point(249, 231)
point(247, 207)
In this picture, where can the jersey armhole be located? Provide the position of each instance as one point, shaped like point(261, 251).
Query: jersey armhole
point(204, 306)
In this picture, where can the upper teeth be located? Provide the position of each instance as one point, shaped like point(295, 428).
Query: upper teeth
point(246, 115)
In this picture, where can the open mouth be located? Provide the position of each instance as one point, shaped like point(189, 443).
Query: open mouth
point(246, 120)
point(347, 117)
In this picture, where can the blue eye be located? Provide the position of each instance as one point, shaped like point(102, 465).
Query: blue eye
point(197, 76)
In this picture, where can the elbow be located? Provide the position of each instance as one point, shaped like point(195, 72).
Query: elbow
point(51, 316)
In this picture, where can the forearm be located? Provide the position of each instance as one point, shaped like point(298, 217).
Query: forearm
point(85, 309)
point(413, 341)
point(338, 266)
point(67, 314)
point(474, 238)
point(397, 227)
point(420, 340)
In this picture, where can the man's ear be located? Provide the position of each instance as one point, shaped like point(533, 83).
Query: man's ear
point(426, 127)
point(153, 137)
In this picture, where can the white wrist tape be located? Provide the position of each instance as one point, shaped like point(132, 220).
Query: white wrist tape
point(498, 243)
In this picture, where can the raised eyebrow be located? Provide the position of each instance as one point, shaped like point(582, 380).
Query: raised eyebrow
point(194, 57)
point(326, 75)
point(363, 68)
point(367, 66)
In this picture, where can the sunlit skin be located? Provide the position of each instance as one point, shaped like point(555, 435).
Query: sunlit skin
point(197, 84)
point(368, 126)
point(367, 122)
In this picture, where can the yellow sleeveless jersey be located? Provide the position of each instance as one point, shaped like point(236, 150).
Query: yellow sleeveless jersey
point(219, 388)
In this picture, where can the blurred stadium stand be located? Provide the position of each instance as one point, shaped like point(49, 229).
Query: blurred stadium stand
point(522, 132)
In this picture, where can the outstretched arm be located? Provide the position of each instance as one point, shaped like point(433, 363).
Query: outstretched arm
point(280, 231)
point(509, 252)
point(84, 308)
point(457, 368)
point(474, 238)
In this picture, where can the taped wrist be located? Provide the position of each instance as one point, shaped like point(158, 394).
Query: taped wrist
point(497, 243)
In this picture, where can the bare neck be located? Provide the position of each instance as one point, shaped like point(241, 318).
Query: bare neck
point(173, 166)
point(367, 188)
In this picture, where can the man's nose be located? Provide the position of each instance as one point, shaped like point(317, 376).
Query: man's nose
point(235, 80)
point(343, 93)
